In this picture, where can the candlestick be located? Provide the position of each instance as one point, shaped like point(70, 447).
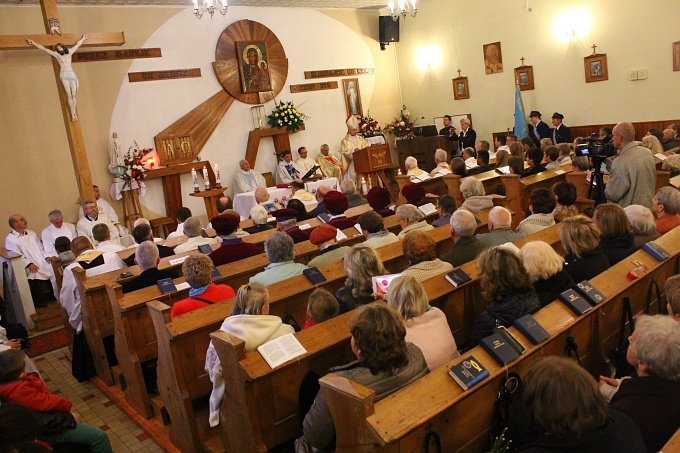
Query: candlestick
point(363, 185)
point(206, 179)
point(218, 181)
point(399, 172)
point(195, 179)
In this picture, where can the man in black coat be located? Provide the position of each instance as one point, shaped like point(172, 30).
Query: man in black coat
point(561, 133)
point(148, 260)
point(141, 233)
point(537, 129)
point(448, 130)
point(467, 137)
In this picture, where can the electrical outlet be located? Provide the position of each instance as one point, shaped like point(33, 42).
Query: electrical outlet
point(633, 75)
point(642, 74)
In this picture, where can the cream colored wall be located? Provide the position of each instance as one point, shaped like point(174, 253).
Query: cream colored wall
point(634, 35)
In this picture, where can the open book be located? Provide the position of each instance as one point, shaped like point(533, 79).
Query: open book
point(281, 350)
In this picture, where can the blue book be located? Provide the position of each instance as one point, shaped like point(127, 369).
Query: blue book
point(531, 329)
point(468, 373)
point(205, 249)
point(499, 349)
point(591, 293)
point(166, 285)
point(215, 274)
point(314, 275)
point(574, 301)
point(656, 251)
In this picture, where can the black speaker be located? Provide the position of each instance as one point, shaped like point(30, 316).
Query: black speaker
point(389, 29)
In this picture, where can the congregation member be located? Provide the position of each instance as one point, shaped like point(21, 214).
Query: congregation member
point(580, 164)
point(148, 259)
point(102, 235)
point(470, 157)
point(541, 205)
point(650, 397)
point(373, 229)
point(468, 136)
point(262, 199)
point(446, 205)
point(197, 270)
point(287, 171)
point(516, 149)
point(385, 363)
point(605, 133)
point(410, 219)
point(305, 163)
point(297, 187)
point(331, 166)
point(552, 153)
point(458, 167)
point(239, 233)
point(653, 144)
point(324, 237)
point(411, 167)
point(286, 222)
point(247, 179)
point(259, 215)
point(527, 143)
point(675, 128)
point(142, 233)
point(420, 250)
point(349, 145)
point(354, 198)
point(546, 271)
point(379, 200)
point(510, 139)
point(414, 194)
point(672, 165)
point(336, 203)
point(466, 247)
point(192, 229)
point(91, 218)
point(516, 165)
point(250, 321)
point(534, 161)
point(506, 285)
point(565, 197)
point(545, 142)
point(426, 326)
point(669, 139)
point(642, 224)
point(448, 130)
point(280, 249)
point(361, 263)
point(672, 290)
point(55, 229)
point(561, 133)
point(94, 262)
point(502, 158)
point(616, 239)
point(564, 154)
point(563, 401)
point(299, 208)
point(500, 231)
point(442, 166)
point(321, 306)
point(482, 162)
point(25, 242)
point(666, 206)
point(320, 208)
point(633, 173)
point(482, 145)
point(232, 247)
point(181, 214)
point(658, 133)
point(500, 143)
point(475, 198)
point(537, 129)
point(580, 239)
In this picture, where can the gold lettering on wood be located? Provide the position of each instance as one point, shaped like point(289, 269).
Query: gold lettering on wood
point(185, 145)
point(163, 75)
point(126, 54)
point(337, 73)
point(168, 149)
point(313, 87)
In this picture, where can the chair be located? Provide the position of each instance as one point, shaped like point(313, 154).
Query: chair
point(269, 179)
point(162, 226)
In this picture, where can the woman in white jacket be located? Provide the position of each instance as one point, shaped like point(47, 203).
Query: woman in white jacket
point(250, 321)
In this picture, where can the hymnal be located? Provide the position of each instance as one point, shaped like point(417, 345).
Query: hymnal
point(205, 249)
point(311, 172)
point(531, 329)
point(457, 277)
point(421, 177)
point(577, 303)
point(324, 217)
point(215, 274)
point(656, 251)
point(427, 209)
point(590, 292)
point(510, 339)
point(166, 285)
point(660, 156)
point(314, 275)
point(281, 350)
point(468, 373)
point(496, 345)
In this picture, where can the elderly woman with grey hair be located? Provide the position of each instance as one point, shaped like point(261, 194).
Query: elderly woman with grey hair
point(642, 223)
point(410, 218)
point(411, 165)
point(475, 196)
point(193, 229)
point(354, 198)
point(280, 249)
point(672, 164)
point(440, 158)
point(666, 206)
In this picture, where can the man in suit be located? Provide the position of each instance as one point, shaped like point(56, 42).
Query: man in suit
point(448, 130)
point(468, 136)
point(561, 133)
point(147, 258)
point(141, 233)
point(537, 129)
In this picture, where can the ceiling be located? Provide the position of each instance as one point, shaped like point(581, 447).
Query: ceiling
point(317, 4)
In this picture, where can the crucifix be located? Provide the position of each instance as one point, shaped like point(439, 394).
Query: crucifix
point(594, 47)
point(53, 38)
point(522, 61)
point(459, 73)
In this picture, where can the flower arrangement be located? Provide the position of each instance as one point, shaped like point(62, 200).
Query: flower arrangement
point(402, 128)
point(133, 162)
point(368, 127)
point(286, 115)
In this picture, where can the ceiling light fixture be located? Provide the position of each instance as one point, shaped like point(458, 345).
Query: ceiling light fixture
point(403, 8)
point(210, 6)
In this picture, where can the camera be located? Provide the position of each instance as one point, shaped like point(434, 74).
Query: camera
point(596, 147)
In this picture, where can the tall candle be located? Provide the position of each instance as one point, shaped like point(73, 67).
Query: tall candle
point(196, 4)
point(218, 182)
point(195, 180)
point(206, 179)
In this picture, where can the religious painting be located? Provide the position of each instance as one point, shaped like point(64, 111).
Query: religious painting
point(596, 68)
point(253, 65)
point(352, 97)
point(676, 56)
point(524, 77)
point(493, 58)
point(461, 90)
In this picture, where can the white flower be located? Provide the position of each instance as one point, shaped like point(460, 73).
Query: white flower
point(401, 123)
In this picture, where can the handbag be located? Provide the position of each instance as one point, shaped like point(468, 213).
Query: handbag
point(511, 417)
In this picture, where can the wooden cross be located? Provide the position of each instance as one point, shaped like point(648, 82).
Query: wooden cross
point(594, 47)
point(459, 73)
point(73, 130)
point(522, 61)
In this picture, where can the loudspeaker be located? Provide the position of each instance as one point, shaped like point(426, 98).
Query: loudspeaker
point(389, 29)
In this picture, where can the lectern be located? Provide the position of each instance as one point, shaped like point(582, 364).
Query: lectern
point(372, 162)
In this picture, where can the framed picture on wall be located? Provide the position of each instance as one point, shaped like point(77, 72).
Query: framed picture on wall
point(596, 67)
point(352, 97)
point(676, 56)
point(493, 58)
point(461, 89)
point(253, 65)
point(524, 76)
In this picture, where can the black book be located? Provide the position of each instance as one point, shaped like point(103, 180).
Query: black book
point(205, 249)
point(591, 294)
point(574, 301)
point(496, 345)
point(324, 217)
point(166, 285)
point(656, 251)
point(531, 329)
point(215, 274)
point(457, 277)
point(468, 373)
point(314, 275)
point(510, 339)
point(204, 234)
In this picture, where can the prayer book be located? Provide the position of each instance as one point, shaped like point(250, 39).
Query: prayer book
point(591, 294)
point(457, 277)
point(281, 350)
point(468, 373)
point(205, 249)
point(427, 209)
point(656, 251)
point(531, 329)
point(166, 285)
point(314, 275)
point(499, 348)
point(577, 303)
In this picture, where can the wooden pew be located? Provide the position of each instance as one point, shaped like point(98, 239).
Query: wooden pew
point(518, 190)
point(401, 421)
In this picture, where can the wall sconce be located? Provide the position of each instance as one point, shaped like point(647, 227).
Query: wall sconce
point(428, 57)
point(572, 24)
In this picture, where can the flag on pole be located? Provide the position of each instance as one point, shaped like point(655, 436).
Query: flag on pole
point(521, 130)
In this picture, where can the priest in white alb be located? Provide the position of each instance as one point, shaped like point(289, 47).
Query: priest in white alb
point(92, 217)
point(287, 170)
point(304, 162)
point(330, 165)
point(56, 229)
point(247, 179)
point(349, 145)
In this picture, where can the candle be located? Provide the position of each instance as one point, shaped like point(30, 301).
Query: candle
point(218, 182)
point(206, 179)
point(196, 4)
point(399, 172)
point(195, 179)
point(363, 185)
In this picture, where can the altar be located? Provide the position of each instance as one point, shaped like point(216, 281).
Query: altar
point(244, 202)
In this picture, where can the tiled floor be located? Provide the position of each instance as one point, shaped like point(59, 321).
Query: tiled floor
point(95, 408)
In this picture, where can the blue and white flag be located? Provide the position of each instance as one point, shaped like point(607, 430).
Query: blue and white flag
point(521, 130)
